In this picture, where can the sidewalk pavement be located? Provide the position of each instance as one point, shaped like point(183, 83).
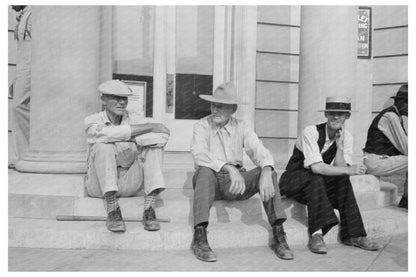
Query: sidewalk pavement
point(393, 257)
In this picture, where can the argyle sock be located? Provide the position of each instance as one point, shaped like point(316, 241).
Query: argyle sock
point(111, 201)
point(150, 199)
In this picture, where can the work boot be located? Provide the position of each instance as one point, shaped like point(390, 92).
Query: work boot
point(280, 246)
point(403, 202)
point(363, 243)
point(316, 244)
point(150, 221)
point(115, 221)
point(200, 245)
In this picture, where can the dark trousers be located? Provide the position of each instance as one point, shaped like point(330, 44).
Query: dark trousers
point(323, 194)
point(210, 185)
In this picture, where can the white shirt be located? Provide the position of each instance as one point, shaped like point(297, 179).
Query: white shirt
point(307, 143)
point(213, 147)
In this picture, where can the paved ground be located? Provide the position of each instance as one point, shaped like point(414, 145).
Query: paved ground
point(393, 257)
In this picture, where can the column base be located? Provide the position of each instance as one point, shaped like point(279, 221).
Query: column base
point(53, 162)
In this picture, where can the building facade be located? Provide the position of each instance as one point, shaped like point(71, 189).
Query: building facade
point(284, 61)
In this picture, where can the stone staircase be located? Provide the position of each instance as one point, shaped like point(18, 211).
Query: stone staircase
point(36, 199)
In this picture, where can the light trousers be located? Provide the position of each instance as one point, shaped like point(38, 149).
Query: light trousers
point(105, 174)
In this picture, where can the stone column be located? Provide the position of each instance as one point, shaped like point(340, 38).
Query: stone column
point(244, 60)
point(328, 59)
point(66, 60)
point(159, 70)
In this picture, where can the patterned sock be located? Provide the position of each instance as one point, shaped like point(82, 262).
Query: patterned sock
point(111, 201)
point(150, 200)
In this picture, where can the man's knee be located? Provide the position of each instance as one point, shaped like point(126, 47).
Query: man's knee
point(202, 176)
point(317, 183)
point(103, 148)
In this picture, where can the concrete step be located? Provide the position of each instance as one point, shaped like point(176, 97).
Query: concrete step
point(31, 197)
point(175, 204)
point(43, 233)
point(389, 194)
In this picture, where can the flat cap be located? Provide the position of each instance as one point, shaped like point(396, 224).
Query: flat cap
point(115, 87)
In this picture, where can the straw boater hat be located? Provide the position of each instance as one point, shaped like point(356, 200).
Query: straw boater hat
point(337, 104)
point(402, 92)
point(115, 87)
point(225, 94)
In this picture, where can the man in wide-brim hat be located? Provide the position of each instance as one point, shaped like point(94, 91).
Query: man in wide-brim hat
point(317, 175)
point(217, 148)
point(124, 156)
point(386, 151)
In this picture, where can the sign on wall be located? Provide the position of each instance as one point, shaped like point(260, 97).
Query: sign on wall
point(364, 32)
point(137, 102)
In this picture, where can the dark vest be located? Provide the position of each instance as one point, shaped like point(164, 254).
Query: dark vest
point(377, 142)
point(296, 161)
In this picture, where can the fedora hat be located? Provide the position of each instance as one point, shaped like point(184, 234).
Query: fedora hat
point(115, 87)
point(402, 92)
point(337, 104)
point(225, 94)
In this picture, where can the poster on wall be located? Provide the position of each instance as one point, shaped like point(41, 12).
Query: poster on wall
point(364, 32)
point(137, 102)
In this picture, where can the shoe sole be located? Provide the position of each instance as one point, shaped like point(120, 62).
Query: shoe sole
point(199, 258)
point(317, 251)
point(151, 229)
point(352, 244)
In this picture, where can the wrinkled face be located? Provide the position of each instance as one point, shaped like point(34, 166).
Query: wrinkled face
point(336, 119)
point(401, 104)
point(221, 113)
point(115, 105)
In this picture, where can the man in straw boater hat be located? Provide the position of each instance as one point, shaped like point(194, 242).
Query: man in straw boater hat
point(386, 149)
point(317, 175)
point(123, 156)
point(217, 148)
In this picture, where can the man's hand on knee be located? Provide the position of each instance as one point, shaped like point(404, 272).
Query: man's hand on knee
point(238, 185)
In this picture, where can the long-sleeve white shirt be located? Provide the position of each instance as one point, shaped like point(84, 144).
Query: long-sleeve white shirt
point(213, 147)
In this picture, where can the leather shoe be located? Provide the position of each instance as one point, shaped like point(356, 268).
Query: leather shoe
point(363, 243)
point(280, 246)
point(150, 221)
point(403, 202)
point(316, 244)
point(115, 221)
point(200, 246)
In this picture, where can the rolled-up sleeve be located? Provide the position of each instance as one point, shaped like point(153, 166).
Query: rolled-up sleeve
point(99, 132)
point(255, 149)
point(200, 148)
point(308, 145)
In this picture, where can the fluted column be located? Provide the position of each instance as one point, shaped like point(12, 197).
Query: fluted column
point(67, 57)
point(328, 59)
point(244, 60)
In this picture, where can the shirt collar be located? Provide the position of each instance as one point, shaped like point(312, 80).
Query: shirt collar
point(107, 120)
point(229, 127)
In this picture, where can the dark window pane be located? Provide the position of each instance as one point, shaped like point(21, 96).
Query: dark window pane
point(188, 105)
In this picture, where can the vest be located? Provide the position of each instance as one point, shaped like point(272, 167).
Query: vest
point(377, 142)
point(297, 158)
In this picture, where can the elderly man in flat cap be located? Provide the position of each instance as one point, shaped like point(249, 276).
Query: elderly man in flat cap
point(123, 156)
point(217, 148)
point(317, 175)
point(386, 147)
